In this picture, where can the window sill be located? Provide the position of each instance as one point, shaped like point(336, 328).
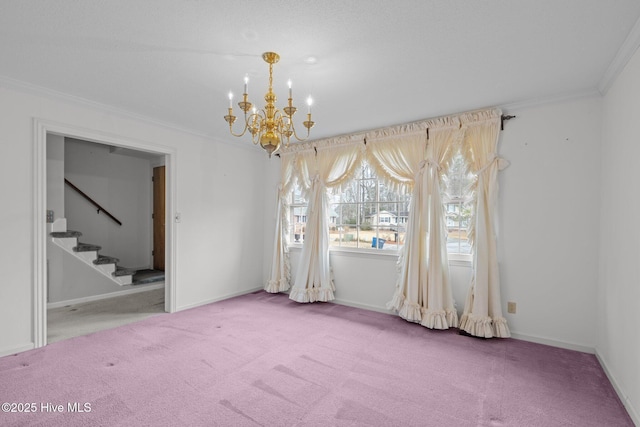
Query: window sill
point(458, 260)
point(365, 253)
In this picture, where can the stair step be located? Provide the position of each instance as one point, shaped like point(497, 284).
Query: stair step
point(86, 247)
point(104, 259)
point(122, 271)
point(63, 234)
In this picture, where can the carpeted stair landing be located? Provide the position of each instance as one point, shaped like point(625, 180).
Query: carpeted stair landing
point(143, 277)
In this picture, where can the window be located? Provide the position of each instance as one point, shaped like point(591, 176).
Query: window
point(367, 213)
point(457, 205)
point(363, 213)
point(298, 216)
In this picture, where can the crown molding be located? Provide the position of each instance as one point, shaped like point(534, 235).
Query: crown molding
point(557, 99)
point(624, 54)
point(25, 87)
point(32, 89)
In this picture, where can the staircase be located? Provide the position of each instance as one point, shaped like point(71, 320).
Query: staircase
point(107, 265)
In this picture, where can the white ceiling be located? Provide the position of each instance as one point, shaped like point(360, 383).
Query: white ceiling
point(378, 62)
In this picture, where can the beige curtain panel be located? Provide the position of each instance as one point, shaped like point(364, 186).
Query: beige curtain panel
point(280, 278)
point(325, 167)
point(407, 158)
point(482, 314)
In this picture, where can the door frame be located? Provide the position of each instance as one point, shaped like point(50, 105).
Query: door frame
point(43, 127)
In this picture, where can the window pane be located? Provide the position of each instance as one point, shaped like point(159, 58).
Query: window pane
point(386, 195)
point(368, 190)
point(389, 207)
point(335, 235)
point(368, 214)
point(298, 222)
point(386, 239)
point(367, 172)
point(456, 205)
point(349, 237)
point(398, 238)
point(349, 214)
point(297, 196)
point(366, 234)
point(349, 192)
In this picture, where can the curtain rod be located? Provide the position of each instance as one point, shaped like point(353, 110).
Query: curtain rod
point(504, 118)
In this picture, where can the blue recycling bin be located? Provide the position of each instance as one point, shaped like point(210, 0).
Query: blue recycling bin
point(377, 242)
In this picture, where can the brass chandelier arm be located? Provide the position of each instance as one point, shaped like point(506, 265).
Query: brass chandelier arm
point(231, 120)
point(295, 134)
point(256, 123)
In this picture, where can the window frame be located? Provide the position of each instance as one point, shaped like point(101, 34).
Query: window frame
point(453, 257)
point(367, 247)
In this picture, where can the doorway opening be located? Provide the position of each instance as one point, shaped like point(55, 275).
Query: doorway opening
point(160, 234)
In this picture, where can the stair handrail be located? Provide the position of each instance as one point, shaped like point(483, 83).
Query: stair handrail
point(93, 202)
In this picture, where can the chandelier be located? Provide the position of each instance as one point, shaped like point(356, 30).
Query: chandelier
point(269, 126)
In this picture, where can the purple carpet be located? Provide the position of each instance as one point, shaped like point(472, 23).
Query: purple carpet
point(262, 359)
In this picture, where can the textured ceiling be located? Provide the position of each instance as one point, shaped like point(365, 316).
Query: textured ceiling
point(377, 62)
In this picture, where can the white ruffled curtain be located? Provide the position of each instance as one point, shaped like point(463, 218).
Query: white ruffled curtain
point(405, 158)
point(401, 157)
point(280, 278)
point(482, 314)
point(326, 166)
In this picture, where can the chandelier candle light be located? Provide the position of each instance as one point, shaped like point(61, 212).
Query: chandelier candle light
point(270, 126)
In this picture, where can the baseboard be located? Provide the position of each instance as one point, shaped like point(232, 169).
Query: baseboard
point(633, 413)
point(362, 306)
point(8, 351)
point(523, 337)
point(216, 299)
point(553, 343)
point(133, 290)
point(518, 336)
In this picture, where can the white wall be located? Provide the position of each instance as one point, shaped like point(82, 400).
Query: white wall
point(548, 242)
point(618, 295)
point(122, 185)
point(219, 243)
point(548, 237)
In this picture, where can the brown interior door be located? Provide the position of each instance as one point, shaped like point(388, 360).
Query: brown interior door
point(158, 217)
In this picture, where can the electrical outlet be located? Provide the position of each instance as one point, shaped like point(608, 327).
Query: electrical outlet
point(511, 307)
